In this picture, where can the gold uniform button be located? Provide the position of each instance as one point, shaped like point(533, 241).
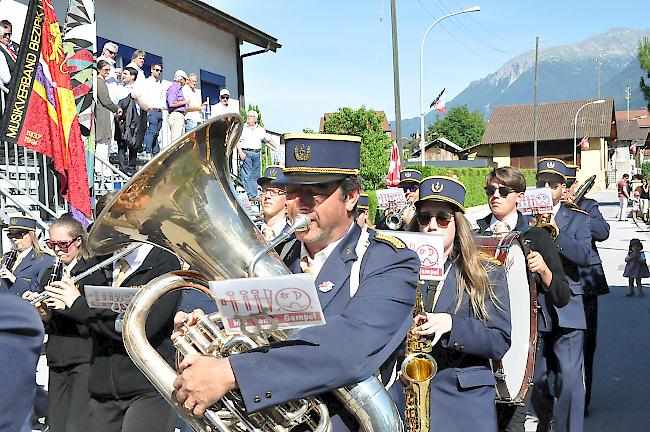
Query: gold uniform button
point(268, 395)
point(257, 399)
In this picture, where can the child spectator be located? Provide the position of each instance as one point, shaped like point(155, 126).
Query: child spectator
point(636, 267)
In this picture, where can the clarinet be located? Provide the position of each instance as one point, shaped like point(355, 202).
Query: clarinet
point(56, 275)
point(9, 259)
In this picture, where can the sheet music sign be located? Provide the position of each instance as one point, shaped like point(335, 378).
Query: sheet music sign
point(391, 197)
point(255, 305)
point(106, 297)
point(536, 201)
point(430, 249)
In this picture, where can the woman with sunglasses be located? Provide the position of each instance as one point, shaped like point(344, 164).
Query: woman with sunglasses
point(69, 345)
point(468, 314)
point(104, 111)
point(29, 262)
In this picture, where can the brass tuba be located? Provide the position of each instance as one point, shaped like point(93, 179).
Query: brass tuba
point(183, 201)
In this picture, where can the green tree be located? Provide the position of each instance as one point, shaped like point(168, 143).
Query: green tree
point(644, 58)
point(309, 131)
point(375, 144)
point(460, 126)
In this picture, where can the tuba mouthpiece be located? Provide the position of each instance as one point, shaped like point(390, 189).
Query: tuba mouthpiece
point(300, 222)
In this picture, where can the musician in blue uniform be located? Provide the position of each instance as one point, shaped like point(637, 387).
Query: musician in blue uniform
point(366, 287)
point(31, 261)
point(409, 181)
point(363, 209)
point(593, 277)
point(274, 204)
point(505, 187)
point(469, 318)
point(562, 329)
point(21, 339)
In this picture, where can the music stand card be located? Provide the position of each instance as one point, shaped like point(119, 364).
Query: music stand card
point(536, 201)
point(255, 305)
point(107, 297)
point(430, 249)
point(391, 197)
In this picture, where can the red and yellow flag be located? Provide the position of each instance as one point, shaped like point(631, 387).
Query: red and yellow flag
point(51, 123)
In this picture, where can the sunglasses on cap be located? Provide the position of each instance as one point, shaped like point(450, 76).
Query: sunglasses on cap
point(503, 190)
point(443, 218)
point(551, 184)
point(410, 188)
point(64, 245)
point(16, 234)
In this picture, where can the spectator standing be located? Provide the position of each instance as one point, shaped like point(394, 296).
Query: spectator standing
point(177, 106)
point(109, 53)
point(224, 106)
point(644, 195)
point(9, 52)
point(195, 109)
point(128, 125)
point(636, 267)
point(248, 149)
point(104, 108)
point(137, 63)
point(153, 92)
point(623, 196)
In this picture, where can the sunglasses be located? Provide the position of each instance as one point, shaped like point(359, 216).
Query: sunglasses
point(503, 190)
point(111, 52)
point(412, 188)
point(16, 234)
point(157, 70)
point(443, 218)
point(6, 35)
point(64, 245)
point(551, 184)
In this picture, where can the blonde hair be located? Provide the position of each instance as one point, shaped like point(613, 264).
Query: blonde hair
point(38, 250)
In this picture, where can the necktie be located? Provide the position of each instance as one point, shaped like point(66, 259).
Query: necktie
point(12, 53)
point(17, 263)
point(306, 266)
point(268, 234)
point(124, 267)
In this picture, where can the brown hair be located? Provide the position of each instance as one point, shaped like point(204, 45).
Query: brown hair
point(507, 176)
point(75, 229)
point(472, 270)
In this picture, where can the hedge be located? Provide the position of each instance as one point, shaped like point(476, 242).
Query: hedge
point(645, 169)
point(472, 178)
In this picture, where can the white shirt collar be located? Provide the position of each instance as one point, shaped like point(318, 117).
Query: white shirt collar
point(22, 255)
point(276, 227)
point(511, 221)
point(556, 208)
point(135, 260)
point(319, 259)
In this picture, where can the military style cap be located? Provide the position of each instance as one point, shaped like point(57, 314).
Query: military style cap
point(319, 158)
point(270, 173)
point(410, 176)
point(553, 166)
point(571, 171)
point(440, 188)
point(363, 204)
point(22, 223)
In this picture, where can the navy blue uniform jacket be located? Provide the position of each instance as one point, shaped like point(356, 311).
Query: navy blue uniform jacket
point(28, 273)
point(21, 339)
point(361, 333)
point(593, 275)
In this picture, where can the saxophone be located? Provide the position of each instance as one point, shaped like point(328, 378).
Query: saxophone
point(418, 369)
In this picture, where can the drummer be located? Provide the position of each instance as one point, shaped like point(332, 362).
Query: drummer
point(469, 318)
point(505, 188)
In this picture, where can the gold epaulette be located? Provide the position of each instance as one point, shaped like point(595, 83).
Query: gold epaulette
point(394, 241)
point(579, 210)
point(489, 258)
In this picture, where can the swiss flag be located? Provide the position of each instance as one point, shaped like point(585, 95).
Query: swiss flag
point(440, 104)
point(394, 168)
point(584, 143)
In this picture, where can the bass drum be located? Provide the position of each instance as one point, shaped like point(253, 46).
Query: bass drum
point(514, 373)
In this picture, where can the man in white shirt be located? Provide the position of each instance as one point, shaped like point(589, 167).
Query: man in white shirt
point(248, 149)
point(137, 62)
point(194, 113)
point(224, 106)
point(154, 95)
point(274, 204)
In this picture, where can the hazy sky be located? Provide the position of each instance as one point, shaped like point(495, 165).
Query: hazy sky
point(338, 53)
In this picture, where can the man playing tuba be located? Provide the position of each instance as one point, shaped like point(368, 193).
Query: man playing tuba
point(366, 320)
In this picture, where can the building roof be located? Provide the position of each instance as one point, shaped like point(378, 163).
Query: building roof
point(454, 148)
point(514, 123)
point(385, 126)
point(202, 11)
point(630, 131)
point(642, 116)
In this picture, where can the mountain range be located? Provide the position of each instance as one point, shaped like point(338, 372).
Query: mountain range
point(566, 72)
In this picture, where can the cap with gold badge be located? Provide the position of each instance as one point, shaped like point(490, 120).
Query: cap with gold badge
point(441, 188)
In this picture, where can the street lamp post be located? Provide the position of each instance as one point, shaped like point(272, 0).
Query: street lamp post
point(575, 127)
point(422, 113)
